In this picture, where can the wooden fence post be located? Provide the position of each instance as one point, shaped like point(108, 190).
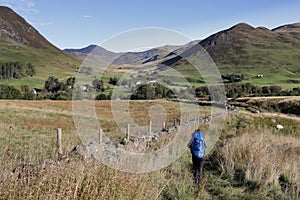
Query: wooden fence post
point(100, 135)
point(59, 143)
point(149, 128)
point(128, 131)
point(164, 125)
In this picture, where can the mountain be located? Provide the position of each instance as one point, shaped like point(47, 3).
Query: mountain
point(142, 57)
point(16, 30)
point(241, 49)
point(292, 29)
point(100, 52)
point(152, 55)
point(248, 50)
point(121, 58)
point(85, 50)
point(243, 44)
point(19, 41)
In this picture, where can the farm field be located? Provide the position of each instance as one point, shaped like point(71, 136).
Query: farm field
point(30, 169)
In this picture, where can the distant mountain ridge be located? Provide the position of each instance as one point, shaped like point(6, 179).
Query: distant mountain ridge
point(241, 44)
point(102, 54)
point(241, 49)
point(86, 50)
point(244, 45)
point(135, 58)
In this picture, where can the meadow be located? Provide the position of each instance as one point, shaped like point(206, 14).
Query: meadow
point(251, 160)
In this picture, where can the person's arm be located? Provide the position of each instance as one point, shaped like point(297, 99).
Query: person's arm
point(191, 141)
point(203, 134)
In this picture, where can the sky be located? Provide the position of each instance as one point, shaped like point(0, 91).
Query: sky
point(78, 23)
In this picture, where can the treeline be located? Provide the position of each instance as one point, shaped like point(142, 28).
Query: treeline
point(16, 70)
point(249, 90)
point(55, 89)
point(152, 91)
point(232, 78)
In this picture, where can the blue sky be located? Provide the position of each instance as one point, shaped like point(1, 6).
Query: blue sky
point(78, 23)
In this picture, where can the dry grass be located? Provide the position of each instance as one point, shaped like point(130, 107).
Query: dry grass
point(263, 157)
point(262, 154)
point(32, 141)
point(76, 179)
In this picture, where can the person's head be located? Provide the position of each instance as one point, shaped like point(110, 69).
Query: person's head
point(199, 130)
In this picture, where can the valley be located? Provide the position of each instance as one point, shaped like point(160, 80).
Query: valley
point(57, 104)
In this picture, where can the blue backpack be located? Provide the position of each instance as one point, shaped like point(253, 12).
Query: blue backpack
point(198, 145)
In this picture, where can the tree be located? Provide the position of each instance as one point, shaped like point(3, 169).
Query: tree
point(30, 70)
point(101, 97)
point(98, 85)
point(16, 70)
point(52, 84)
point(266, 90)
point(275, 90)
point(113, 81)
point(152, 91)
point(9, 92)
point(231, 78)
point(70, 82)
point(27, 92)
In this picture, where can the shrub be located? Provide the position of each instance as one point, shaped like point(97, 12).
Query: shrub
point(9, 92)
point(101, 97)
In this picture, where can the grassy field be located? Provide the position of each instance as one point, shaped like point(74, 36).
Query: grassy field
point(252, 160)
point(272, 75)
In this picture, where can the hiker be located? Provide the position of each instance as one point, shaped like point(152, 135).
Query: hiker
point(197, 145)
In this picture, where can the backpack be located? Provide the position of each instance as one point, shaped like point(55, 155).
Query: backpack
point(198, 145)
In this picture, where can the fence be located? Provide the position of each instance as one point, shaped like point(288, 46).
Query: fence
point(187, 122)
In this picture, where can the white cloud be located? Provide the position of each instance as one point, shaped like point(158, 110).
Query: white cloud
point(88, 16)
point(23, 6)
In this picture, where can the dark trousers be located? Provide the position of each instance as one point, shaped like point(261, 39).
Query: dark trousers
point(198, 169)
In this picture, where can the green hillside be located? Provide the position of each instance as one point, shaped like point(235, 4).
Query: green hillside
point(19, 41)
point(250, 51)
point(47, 62)
point(241, 49)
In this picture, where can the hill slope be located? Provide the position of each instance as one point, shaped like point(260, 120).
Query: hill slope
point(293, 29)
point(247, 50)
point(19, 41)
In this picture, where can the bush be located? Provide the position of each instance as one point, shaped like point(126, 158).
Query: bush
point(152, 91)
point(240, 174)
point(101, 97)
point(9, 92)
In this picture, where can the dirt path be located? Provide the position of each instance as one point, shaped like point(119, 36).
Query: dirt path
point(269, 114)
point(268, 98)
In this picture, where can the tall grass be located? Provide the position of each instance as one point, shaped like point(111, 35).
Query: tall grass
point(251, 160)
point(261, 159)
